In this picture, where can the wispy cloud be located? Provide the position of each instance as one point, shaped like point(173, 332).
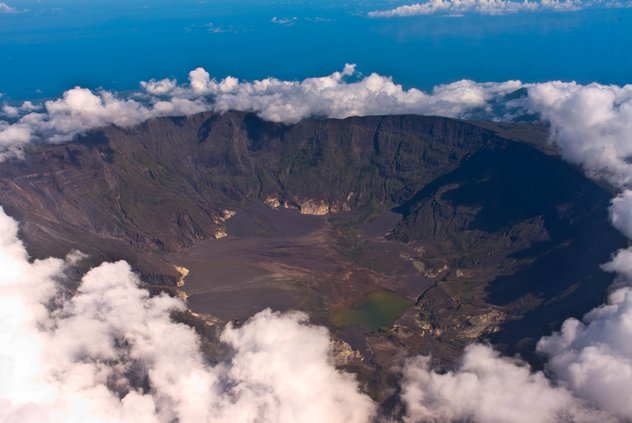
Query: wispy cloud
point(211, 28)
point(294, 20)
point(319, 19)
point(284, 21)
point(5, 8)
point(493, 7)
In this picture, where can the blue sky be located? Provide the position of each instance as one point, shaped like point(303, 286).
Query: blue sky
point(50, 46)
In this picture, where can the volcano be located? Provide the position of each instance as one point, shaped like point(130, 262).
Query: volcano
point(402, 234)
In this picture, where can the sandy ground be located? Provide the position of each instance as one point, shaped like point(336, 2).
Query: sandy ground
point(283, 260)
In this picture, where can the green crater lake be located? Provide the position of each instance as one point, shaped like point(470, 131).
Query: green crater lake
point(378, 310)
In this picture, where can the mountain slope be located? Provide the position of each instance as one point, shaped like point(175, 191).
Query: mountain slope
point(488, 237)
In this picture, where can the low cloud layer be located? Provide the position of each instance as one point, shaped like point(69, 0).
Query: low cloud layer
point(488, 388)
point(339, 95)
point(594, 357)
point(571, 109)
point(79, 110)
point(493, 7)
point(111, 353)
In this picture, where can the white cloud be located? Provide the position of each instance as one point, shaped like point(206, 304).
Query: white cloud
point(335, 96)
point(200, 81)
point(285, 373)
point(493, 7)
point(621, 264)
point(594, 357)
point(111, 353)
point(590, 363)
point(13, 112)
point(621, 213)
point(487, 388)
point(284, 21)
point(592, 124)
point(80, 110)
point(161, 87)
point(5, 8)
point(12, 139)
point(211, 28)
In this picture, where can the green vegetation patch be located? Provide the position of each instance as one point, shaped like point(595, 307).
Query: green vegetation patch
point(378, 310)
